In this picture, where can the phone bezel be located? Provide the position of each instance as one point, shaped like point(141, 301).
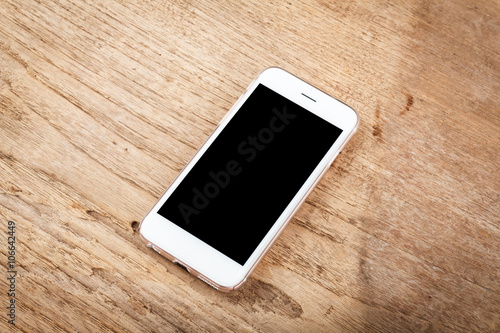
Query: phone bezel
point(201, 259)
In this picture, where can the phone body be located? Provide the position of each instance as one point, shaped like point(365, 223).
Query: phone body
point(232, 200)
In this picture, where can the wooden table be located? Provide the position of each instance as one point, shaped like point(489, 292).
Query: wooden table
point(102, 103)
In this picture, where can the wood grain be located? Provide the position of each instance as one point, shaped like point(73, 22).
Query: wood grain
point(103, 102)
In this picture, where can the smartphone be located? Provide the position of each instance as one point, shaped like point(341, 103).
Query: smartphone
point(232, 200)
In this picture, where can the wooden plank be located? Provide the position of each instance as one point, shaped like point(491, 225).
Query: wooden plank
point(102, 103)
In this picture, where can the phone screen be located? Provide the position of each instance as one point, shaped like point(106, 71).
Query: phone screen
point(247, 177)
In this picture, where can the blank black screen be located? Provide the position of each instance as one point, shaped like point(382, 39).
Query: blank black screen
point(237, 190)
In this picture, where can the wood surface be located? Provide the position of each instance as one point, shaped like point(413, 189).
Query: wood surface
point(102, 103)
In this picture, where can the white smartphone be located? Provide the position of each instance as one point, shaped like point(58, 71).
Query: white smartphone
point(231, 201)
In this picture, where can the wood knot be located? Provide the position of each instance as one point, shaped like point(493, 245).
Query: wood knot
point(409, 103)
point(135, 226)
point(377, 130)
